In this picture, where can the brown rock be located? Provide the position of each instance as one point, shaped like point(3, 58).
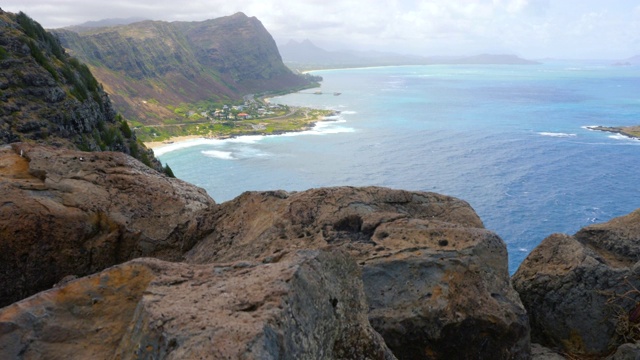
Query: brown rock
point(310, 304)
point(573, 286)
point(436, 281)
point(65, 212)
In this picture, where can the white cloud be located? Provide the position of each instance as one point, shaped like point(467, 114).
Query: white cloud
point(530, 28)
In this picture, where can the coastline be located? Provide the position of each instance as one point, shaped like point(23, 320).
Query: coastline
point(176, 142)
point(632, 132)
point(157, 144)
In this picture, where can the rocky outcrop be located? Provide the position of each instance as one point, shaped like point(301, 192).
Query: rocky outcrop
point(436, 281)
point(304, 305)
point(65, 212)
point(218, 59)
point(581, 291)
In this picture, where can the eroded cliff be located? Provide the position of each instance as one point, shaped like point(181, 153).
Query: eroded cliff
point(151, 66)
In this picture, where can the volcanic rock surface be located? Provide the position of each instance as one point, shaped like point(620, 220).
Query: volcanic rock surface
point(309, 304)
point(436, 281)
point(65, 212)
point(581, 291)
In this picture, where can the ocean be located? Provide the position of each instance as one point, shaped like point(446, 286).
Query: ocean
point(509, 139)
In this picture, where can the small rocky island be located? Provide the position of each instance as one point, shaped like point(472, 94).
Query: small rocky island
point(629, 131)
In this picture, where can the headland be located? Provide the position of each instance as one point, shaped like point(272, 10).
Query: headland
point(629, 131)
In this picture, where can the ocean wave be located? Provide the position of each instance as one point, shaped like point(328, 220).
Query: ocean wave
point(348, 112)
point(244, 139)
point(590, 127)
point(161, 150)
point(224, 155)
point(323, 129)
point(330, 127)
point(557, 134)
point(622, 137)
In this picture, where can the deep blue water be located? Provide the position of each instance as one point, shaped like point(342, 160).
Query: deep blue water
point(510, 140)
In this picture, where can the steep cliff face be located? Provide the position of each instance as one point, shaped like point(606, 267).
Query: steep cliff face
point(152, 65)
point(49, 97)
point(242, 51)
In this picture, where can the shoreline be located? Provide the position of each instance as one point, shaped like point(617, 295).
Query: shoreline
point(179, 141)
point(158, 144)
point(632, 132)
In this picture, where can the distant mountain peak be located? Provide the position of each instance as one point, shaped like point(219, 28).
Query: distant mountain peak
point(634, 60)
point(304, 54)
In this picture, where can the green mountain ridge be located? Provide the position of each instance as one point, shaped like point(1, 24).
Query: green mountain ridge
point(151, 67)
point(51, 98)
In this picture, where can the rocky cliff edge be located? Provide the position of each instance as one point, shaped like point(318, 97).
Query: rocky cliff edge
point(434, 283)
point(581, 291)
point(65, 212)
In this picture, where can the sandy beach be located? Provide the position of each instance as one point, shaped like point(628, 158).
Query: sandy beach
point(157, 144)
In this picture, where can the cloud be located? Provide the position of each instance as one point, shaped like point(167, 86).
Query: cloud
point(531, 28)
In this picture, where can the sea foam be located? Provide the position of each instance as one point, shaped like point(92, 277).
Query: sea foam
point(225, 155)
point(557, 134)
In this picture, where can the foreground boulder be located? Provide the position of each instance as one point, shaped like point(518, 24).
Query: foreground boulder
point(306, 305)
point(581, 291)
point(66, 212)
point(436, 281)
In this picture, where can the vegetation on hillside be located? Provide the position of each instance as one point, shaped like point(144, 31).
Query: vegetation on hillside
point(52, 98)
point(156, 72)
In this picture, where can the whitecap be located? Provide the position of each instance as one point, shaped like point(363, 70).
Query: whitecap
point(245, 139)
point(555, 134)
point(523, 249)
point(224, 155)
point(622, 137)
point(161, 150)
point(590, 127)
point(348, 112)
point(336, 130)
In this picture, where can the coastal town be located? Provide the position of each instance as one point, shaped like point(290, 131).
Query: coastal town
point(252, 117)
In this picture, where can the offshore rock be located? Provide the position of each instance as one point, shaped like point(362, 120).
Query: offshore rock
point(66, 212)
point(308, 305)
point(581, 291)
point(436, 281)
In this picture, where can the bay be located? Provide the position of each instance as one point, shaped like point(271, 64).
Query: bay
point(511, 140)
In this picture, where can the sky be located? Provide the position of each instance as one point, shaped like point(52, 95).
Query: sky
point(533, 29)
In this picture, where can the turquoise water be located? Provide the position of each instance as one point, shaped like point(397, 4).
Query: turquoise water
point(510, 140)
